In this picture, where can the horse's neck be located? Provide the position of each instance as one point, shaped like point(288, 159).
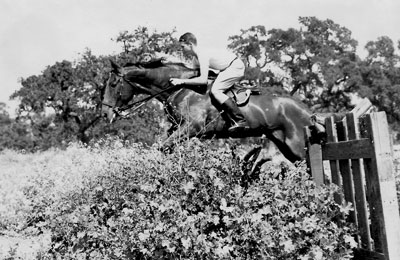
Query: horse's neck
point(160, 79)
point(158, 92)
point(156, 81)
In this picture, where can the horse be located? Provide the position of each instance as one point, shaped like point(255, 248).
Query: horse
point(190, 109)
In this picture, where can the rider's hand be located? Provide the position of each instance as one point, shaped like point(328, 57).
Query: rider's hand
point(176, 82)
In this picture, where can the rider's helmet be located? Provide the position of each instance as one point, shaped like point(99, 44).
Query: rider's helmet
point(188, 38)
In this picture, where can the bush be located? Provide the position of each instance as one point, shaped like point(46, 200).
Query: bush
point(191, 204)
point(31, 186)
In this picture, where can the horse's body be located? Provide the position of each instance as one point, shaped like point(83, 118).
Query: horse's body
point(280, 119)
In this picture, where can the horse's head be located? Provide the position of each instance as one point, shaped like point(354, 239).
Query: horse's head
point(149, 78)
point(116, 92)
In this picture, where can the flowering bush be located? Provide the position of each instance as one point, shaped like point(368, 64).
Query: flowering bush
point(191, 204)
point(31, 185)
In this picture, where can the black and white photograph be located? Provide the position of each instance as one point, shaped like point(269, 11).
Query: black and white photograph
point(212, 129)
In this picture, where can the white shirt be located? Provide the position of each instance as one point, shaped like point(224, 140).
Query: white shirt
point(217, 60)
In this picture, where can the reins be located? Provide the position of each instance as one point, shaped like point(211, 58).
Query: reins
point(141, 102)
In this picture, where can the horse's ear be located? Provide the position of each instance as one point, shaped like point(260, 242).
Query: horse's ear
point(115, 68)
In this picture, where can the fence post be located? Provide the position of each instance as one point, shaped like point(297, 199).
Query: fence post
point(314, 159)
point(334, 164)
point(381, 188)
point(359, 187)
point(345, 170)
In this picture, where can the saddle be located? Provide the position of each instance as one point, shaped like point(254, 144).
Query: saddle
point(240, 92)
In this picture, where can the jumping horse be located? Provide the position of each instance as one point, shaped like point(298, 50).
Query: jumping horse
point(189, 108)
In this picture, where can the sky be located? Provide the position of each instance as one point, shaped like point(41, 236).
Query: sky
point(37, 33)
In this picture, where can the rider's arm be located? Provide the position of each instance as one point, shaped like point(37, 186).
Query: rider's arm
point(200, 80)
point(203, 77)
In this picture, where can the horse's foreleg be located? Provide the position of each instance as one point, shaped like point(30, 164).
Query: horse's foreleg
point(297, 147)
point(289, 147)
point(177, 135)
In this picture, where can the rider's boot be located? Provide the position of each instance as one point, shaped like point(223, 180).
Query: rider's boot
point(222, 112)
point(231, 110)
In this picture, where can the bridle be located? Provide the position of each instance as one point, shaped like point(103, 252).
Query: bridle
point(135, 105)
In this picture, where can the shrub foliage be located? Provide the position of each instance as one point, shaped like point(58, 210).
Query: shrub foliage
point(191, 204)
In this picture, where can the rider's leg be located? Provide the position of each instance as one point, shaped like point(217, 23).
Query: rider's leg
point(221, 110)
point(238, 122)
point(224, 81)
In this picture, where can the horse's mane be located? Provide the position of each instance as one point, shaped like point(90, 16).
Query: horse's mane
point(155, 63)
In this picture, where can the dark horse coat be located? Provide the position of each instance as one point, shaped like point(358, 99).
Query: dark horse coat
point(189, 108)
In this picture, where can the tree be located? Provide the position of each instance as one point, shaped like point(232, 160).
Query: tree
point(310, 62)
point(70, 91)
point(252, 45)
point(13, 135)
point(63, 104)
point(140, 44)
point(381, 78)
point(4, 116)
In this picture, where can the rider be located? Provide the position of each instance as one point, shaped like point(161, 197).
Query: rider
point(231, 70)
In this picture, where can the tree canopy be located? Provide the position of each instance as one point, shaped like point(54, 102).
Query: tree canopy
point(311, 61)
point(63, 105)
point(380, 73)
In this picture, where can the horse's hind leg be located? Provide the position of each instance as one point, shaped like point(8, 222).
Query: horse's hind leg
point(251, 165)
